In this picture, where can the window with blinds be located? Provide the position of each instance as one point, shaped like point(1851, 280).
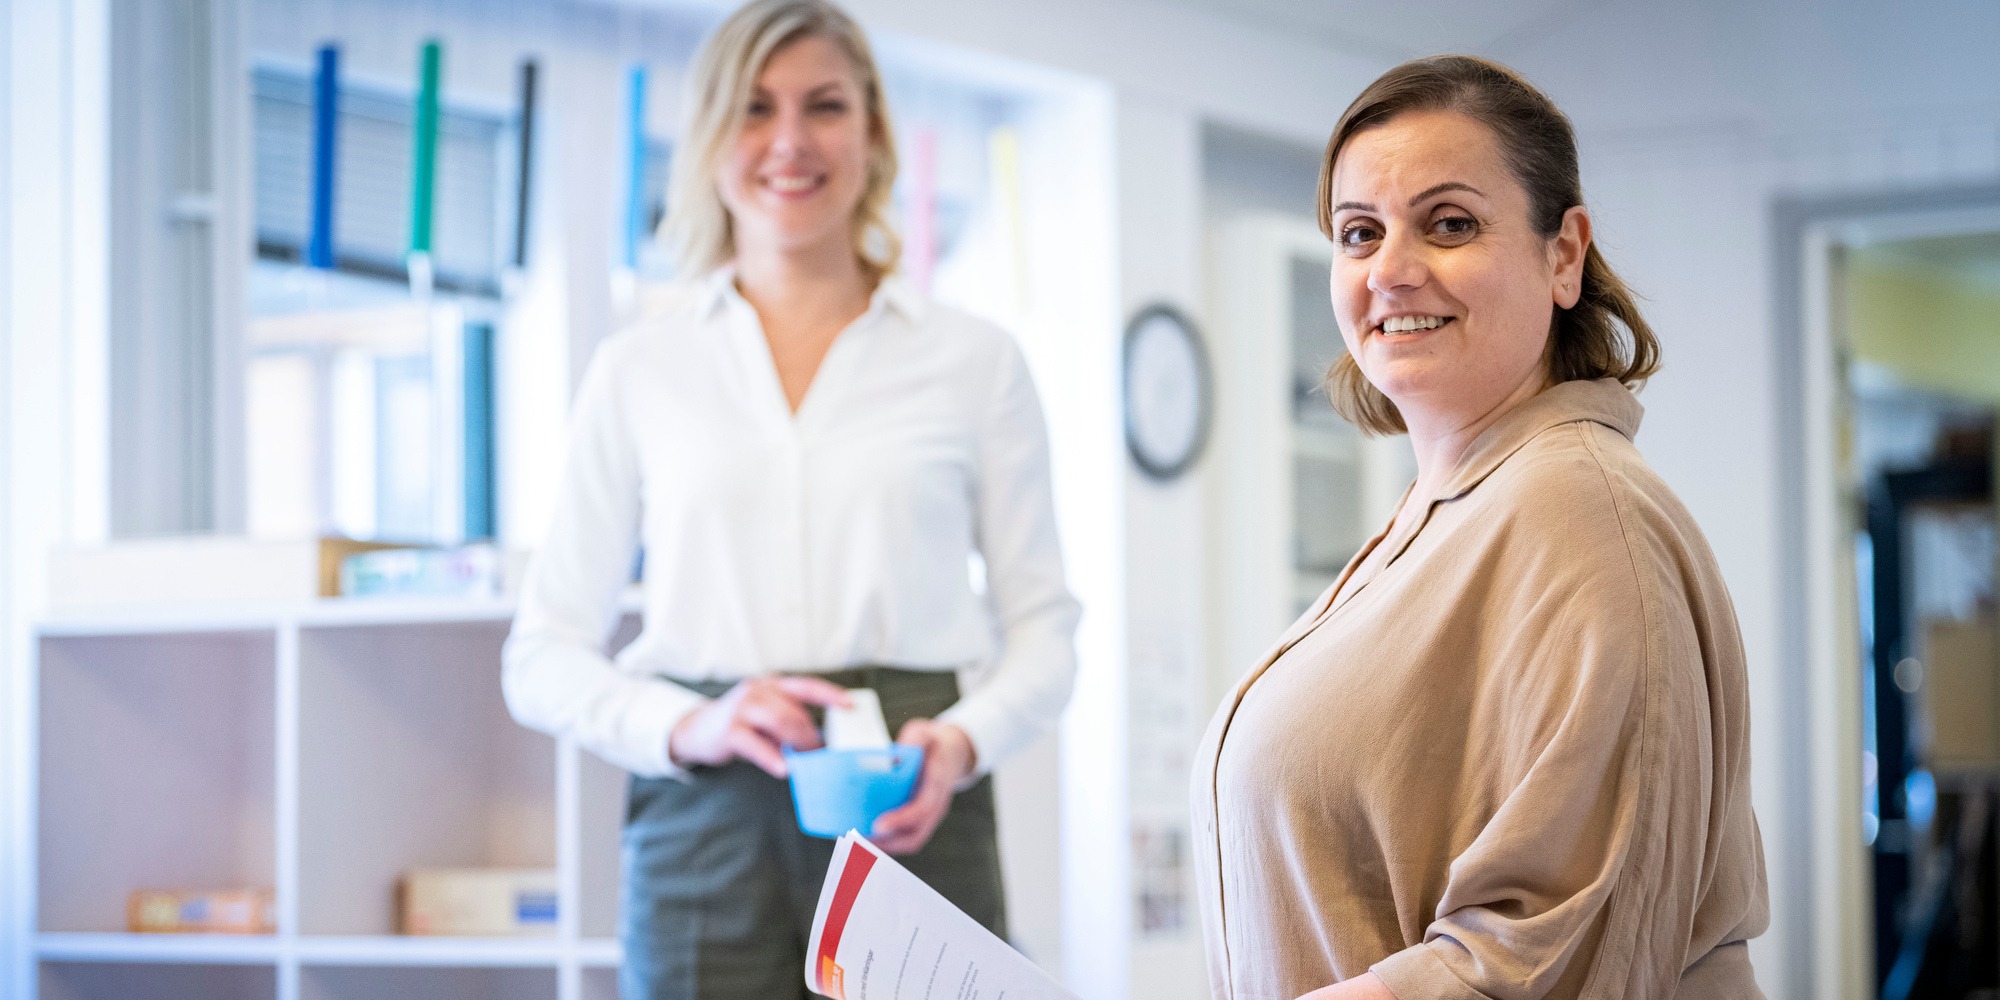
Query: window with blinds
point(373, 150)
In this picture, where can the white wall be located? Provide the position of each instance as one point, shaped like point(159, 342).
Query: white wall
point(9, 933)
point(1685, 71)
point(1252, 172)
point(51, 196)
point(1160, 229)
point(1257, 76)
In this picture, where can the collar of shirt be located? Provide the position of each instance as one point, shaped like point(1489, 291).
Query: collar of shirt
point(1604, 401)
point(892, 292)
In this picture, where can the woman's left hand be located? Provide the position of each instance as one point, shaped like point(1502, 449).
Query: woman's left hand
point(948, 758)
point(1365, 986)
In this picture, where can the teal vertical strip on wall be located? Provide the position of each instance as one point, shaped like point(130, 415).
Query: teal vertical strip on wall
point(424, 178)
point(481, 489)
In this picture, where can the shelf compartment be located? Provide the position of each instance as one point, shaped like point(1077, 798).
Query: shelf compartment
point(601, 803)
point(156, 769)
point(599, 984)
point(64, 980)
point(601, 792)
point(355, 982)
point(408, 759)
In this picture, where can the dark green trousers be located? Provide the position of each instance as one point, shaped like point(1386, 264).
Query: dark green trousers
point(720, 884)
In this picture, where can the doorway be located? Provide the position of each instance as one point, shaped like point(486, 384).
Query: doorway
point(1891, 567)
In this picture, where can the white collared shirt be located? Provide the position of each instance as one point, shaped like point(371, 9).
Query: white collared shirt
point(836, 537)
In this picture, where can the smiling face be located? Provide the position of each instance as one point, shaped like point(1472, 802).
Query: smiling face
point(1443, 288)
point(795, 174)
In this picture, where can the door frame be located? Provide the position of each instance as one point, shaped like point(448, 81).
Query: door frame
point(1829, 885)
point(1252, 588)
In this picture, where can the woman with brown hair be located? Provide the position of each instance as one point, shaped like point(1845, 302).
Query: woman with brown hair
point(1506, 755)
point(811, 451)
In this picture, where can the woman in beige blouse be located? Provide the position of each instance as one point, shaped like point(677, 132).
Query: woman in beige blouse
point(1507, 754)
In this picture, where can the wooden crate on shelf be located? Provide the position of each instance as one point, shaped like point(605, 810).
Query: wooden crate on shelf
point(1961, 693)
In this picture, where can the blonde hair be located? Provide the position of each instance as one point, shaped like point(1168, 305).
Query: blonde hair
point(698, 229)
point(1603, 335)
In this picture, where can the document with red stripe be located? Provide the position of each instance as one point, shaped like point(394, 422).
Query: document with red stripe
point(882, 934)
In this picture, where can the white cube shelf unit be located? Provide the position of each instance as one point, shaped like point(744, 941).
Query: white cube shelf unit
point(321, 749)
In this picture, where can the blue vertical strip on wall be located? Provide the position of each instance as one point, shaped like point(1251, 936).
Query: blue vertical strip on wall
point(326, 115)
point(480, 488)
point(635, 200)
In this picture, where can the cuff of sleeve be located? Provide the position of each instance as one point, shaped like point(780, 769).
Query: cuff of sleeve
point(1420, 973)
point(985, 730)
point(660, 707)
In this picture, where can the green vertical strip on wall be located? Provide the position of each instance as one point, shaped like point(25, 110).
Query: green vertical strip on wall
point(424, 180)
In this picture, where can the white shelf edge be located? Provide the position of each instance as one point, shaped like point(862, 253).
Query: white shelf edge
point(402, 611)
point(387, 949)
point(250, 616)
point(323, 949)
point(220, 949)
point(599, 953)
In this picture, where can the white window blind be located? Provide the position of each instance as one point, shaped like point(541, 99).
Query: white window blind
point(373, 150)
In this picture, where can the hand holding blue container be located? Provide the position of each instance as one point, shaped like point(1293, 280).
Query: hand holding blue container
point(858, 777)
point(835, 791)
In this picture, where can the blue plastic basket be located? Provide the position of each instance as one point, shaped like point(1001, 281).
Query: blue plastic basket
point(835, 791)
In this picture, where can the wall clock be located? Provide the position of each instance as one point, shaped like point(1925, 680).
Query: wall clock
point(1168, 392)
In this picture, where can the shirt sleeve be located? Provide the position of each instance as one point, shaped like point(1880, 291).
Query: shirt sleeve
point(554, 673)
point(1585, 879)
point(1023, 692)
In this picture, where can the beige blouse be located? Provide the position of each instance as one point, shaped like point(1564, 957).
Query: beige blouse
point(1513, 762)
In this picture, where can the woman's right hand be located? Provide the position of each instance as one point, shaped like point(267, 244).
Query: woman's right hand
point(754, 721)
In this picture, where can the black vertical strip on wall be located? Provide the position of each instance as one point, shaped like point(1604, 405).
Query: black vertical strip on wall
point(526, 162)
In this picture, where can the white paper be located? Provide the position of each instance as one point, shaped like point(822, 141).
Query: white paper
point(881, 934)
point(859, 726)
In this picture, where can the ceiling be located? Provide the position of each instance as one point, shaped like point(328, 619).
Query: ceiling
point(1774, 66)
point(1632, 68)
point(1395, 30)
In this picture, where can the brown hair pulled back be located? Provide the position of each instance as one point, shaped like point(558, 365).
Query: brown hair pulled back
point(1603, 335)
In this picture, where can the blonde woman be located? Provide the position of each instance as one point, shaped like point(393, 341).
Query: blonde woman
point(810, 452)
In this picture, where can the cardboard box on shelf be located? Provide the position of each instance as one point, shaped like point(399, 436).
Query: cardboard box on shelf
point(197, 569)
point(1961, 692)
point(503, 902)
point(476, 570)
point(201, 911)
